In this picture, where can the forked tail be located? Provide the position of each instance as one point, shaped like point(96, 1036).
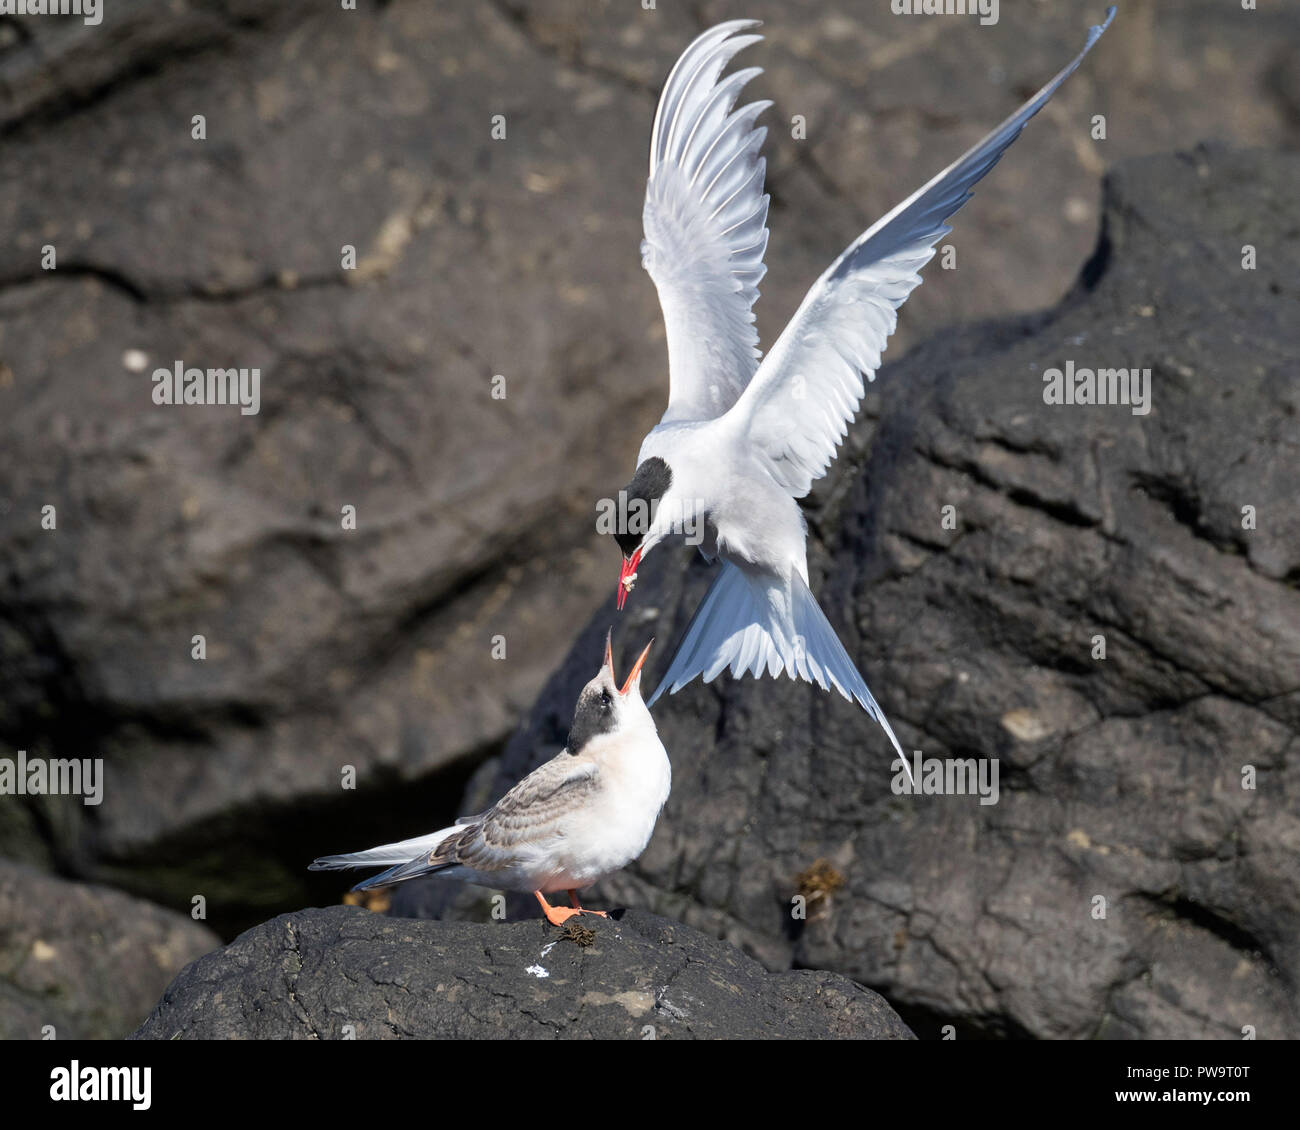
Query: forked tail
point(752, 623)
point(404, 860)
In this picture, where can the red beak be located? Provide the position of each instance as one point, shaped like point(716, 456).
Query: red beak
point(628, 570)
point(636, 668)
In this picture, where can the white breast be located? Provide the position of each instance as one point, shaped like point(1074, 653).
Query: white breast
point(614, 828)
point(756, 520)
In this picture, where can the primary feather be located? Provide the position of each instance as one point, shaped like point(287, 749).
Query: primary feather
point(704, 219)
point(798, 406)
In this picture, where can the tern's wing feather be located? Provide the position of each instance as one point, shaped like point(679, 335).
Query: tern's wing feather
point(523, 820)
point(798, 407)
point(704, 218)
point(529, 815)
point(755, 623)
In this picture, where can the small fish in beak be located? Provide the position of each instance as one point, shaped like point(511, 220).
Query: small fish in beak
point(627, 577)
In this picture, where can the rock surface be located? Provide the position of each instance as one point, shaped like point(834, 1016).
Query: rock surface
point(84, 961)
point(1121, 779)
point(373, 648)
point(343, 973)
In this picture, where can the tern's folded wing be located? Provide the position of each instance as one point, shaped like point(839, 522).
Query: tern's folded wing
point(798, 407)
point(705, 221)
point(530, 814)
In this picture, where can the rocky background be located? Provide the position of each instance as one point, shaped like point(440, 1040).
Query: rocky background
point(373, 648)
point(344, 973)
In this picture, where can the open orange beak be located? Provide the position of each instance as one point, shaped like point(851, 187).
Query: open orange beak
point(626, 576)
point(635, 673)
point(636, 667)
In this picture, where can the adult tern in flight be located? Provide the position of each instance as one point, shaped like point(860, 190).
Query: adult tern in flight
point(741, 440)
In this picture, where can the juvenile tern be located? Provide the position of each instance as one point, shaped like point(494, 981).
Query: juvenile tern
point(742, 440)
point(584, 814)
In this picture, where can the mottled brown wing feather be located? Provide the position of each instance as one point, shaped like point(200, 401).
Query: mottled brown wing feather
point(532, 810)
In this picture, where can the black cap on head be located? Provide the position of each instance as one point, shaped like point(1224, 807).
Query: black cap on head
point(627, 543)
point(651, 481)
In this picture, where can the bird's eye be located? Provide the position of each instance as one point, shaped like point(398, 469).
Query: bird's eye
point(605, 700)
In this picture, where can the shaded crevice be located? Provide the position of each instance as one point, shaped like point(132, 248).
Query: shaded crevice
point(109, 276)
point(141, 295)
point(291, 981)
point(517, 18)
point(250, 862)
point(1098, 263)
point(1062, 511)
point(1184, 506)
point(1202, 917)
point(928, 1022)
point(214, 28)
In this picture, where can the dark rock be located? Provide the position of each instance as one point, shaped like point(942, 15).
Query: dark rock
point(1122, 778)
point(373, 648)
point(345, 973)
point(86, 961)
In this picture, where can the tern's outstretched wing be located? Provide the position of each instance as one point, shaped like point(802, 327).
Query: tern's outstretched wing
point(798, 407)
point(705, 215)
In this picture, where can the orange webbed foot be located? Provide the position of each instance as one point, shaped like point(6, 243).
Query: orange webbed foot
point(555, 915)
point(577, 906)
